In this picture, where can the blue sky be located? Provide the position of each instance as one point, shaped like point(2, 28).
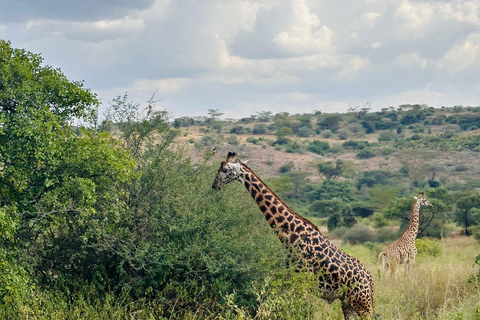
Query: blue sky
point(242, 57)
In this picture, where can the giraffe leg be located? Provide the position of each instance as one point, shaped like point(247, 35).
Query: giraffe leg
point(348, 312)
point(410, 262)
point(393, 268)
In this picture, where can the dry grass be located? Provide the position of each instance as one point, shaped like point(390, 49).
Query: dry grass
point(443, 287)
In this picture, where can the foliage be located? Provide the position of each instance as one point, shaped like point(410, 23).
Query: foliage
point(259, 129)
point(366, 153)
point(329, 170)
point(27, 87)
point(428, 247)
point(416, 162)
point(330, 189)
point(467, 211)
point(330, 122)
point(286, 167)
point(376, 177)
point(237, 130)
point(318, 147)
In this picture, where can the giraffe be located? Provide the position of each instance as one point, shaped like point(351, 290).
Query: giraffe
point(340, 276)
point(403, 251)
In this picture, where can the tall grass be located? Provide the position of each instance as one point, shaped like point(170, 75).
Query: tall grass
point(444, 286)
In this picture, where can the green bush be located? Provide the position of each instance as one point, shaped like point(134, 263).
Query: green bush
point(366, 153)
point(428, 247)
point(286, 167)
point(237, 130)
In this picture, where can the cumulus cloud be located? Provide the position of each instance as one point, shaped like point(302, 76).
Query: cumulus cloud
point(464, 56)
point(241, 55)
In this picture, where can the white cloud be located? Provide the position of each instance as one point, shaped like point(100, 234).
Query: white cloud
point(86, 31)
point(410, 61)
point(369, 18)
point(464, 56)
point(304, 36)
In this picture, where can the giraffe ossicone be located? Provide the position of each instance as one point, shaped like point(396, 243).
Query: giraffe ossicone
point(404, 251)
point(340, 275)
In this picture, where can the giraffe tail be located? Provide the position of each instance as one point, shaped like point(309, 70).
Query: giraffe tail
point(380, 256)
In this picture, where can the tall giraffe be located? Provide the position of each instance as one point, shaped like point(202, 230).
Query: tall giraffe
point(340, 275)
point(403, 250)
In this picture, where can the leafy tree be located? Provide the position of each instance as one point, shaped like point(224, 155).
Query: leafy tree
point(468, 210)
point(416, 162)
point(366, 153)
point(298, 179)
point(61, 188)
point(318, 147)
point(330, 189)
point(330, 122)
point(329, 170)
point(327, 208)
point(237, 130)
point(334, 221)
point(264, 116)
point(283, 132)
point(215, 114)
point(259, 129)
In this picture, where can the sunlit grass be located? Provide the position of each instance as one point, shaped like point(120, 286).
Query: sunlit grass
point(439, 287)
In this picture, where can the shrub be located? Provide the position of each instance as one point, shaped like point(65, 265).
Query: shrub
point(253, 140)
point(237, 130)
point(461, 167)
point(386, 136)
point(232, 140)
point(356, 145)
point(259, 129)
point(304, 132)
point(327, 134)
point(428, 247)
point(343, 134)
point(286, 167)
point(318, 147)
point(366, 153)
point(359, 234)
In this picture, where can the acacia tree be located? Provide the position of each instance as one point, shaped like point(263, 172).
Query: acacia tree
point(468, 210)
point(416, 162)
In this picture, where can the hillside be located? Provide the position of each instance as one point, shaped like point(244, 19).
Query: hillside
point(455, 160)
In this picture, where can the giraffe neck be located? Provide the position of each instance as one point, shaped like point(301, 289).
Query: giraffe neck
point(288, 225)
point(412, 229)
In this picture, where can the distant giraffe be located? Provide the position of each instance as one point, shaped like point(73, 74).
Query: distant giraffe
point(404, 250)
point(340, 275)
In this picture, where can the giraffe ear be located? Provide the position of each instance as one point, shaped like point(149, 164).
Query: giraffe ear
point(245, 162)
point(415, 197)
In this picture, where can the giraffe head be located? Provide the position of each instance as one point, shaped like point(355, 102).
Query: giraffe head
point(423, 201)
point(230, 170)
